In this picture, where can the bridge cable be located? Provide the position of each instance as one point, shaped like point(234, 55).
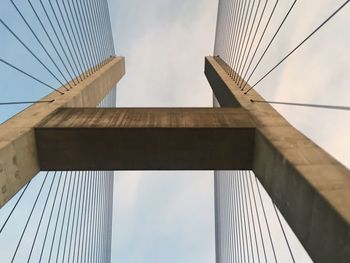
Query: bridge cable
point(77, 35)
point(240, 220)
point(100, 217)
point(232, 218)
point(227, 219)
point(81, 212)
point(59, 39)
point(31, 52)
point(55, 48)
point(107, 213)
point(88, 224)
point(74, 190)
point(95, 213)
point(252, 215)
point(300, 44)
point(103, 29)
point(98, 34)
point(90, 217)
point(93, 34)
point(254, 37)
point(97, 250)
point(269, 45)
point(14, 207)
point(247, 212)
point(80, 32)
point(232, 9)
point(217, 26)
point(109, 27)
point(284, 233)
point(230, 45)
point(261, 38)
point(258, 216)
point(249, 243)
point(41, 218)
point(72, 31)
point(104, 218)
point(41, 44)
point(77, 59)
point(266, 221)
point(51, 213)
point(238, 32)
point(104, 25)
point(25, 102)
point(85, 36)
point(331, 107)
point(244, 32)
point(242, 225)
point(94, 217)
point(247, 43)
point(30, 215)
point(87, 216)
point(226, 183)
point(30, 76)
point(64, 214)
point(75, 212)
point(58, 214)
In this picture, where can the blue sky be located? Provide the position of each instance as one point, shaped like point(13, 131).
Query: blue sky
point(168, 216)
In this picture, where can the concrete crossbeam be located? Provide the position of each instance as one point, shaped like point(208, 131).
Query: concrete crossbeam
point(18, 155)
point(310, 187)
point(146, 139)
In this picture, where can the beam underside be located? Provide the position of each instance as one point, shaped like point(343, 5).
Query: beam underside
point(146, 139)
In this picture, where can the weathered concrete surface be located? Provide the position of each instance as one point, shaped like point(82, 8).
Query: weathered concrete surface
point(18, 156)
point(311, 188)
point(146, 139)
point(222, 93)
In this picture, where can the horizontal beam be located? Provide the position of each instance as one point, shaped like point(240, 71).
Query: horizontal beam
point(18, 155)
point(146, 139)
point(310, 187)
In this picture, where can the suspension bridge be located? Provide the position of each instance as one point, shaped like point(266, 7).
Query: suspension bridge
point(273, 186)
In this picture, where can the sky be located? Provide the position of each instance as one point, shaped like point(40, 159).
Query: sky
point(168, 216)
